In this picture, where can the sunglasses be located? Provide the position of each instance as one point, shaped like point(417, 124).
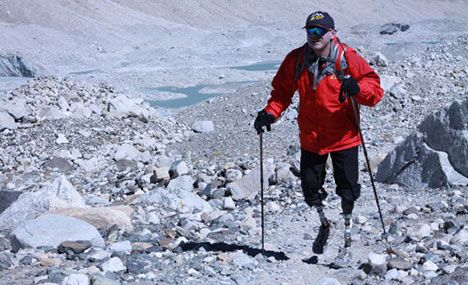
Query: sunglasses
point(316, 32)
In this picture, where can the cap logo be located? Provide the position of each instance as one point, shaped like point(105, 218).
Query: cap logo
point(317, 16)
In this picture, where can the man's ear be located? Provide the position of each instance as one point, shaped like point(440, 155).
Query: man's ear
point(333, 32)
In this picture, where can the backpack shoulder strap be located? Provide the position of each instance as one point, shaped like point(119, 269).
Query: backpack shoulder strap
point(339, 54)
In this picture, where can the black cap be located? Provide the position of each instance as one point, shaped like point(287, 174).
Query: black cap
point(320, 19)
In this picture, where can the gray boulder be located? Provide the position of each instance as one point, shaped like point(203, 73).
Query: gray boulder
point(391, 28)
point(123, 106)
point(76, 279)
point(7, 198)
point(129, 152)
point(6, 260)
point(15, 66)
point(248, 186)
point(52, 230)
point(178, 168)
point(17, 109)
point(59, 194)
point(435, 155)
point(178, 199)
point(58, 163)
point(7, 122)
point(184, 182)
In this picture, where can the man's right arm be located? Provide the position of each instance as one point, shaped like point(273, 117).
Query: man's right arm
point(283, 86)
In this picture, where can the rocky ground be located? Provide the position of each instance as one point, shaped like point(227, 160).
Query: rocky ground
point(140, 195)
point(97, 187)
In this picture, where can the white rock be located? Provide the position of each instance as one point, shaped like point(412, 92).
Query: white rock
point(380, 59)
point(388, 82)
point(72, 154)
point(190, 202)
point(90, 165)
point(430, 266)
point(7, 122)
point(179, 168)
point(29, 205)
point(17, 109)
point(79, 110)
point(249, 185)
point(422, 231)
point(122, 246)
point(449, 269)
point(85, 133)
point(327, 281)
point(63, 104)
point(98, 254)
point(164, 161)
point(392, 274)
point(378, 262)
point(242, 260)
point(161, 173)
point(203, 126)
point(153, 218)
point(61, 139)
point(52, 230)
point(184, 182)
point(76, 279)
point(361, 220)
point(101, 217)
point(400, 209)
point(113, 265)
point(129, 152)
point(430, 274)
point(233, 174)
point(52, 113)
point(273, 206)
point(413, 216)
point(461, 238)
point(229, 204)
point(123, 106)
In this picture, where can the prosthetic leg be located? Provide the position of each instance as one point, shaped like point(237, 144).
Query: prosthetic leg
point(344, 256)
point(324, 230)
point(347, 207)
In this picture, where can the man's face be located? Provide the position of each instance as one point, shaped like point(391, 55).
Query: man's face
point(318, 38)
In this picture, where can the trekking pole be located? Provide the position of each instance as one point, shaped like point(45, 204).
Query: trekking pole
point(356, 121)
point(261, 192)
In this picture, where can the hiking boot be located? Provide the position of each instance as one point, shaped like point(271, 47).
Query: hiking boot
point(322, 237)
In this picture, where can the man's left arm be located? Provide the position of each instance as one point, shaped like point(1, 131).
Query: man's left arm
point(370, 91)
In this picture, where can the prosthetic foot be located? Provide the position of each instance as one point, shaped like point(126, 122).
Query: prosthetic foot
point(344, 257)
point(322, 236)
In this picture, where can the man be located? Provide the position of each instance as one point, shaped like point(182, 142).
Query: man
point(325, 72)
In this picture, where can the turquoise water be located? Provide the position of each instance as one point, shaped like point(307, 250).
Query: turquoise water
point(193, 96)
point(431, 42)
point(435, 42)
point(260, 66)
point(193, 93)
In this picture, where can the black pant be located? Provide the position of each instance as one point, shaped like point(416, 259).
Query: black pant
point(345, 172)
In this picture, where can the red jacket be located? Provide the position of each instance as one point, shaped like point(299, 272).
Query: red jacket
point(325, 124)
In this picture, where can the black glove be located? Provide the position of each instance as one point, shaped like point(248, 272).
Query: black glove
point(349, 87)
point(263, 119)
